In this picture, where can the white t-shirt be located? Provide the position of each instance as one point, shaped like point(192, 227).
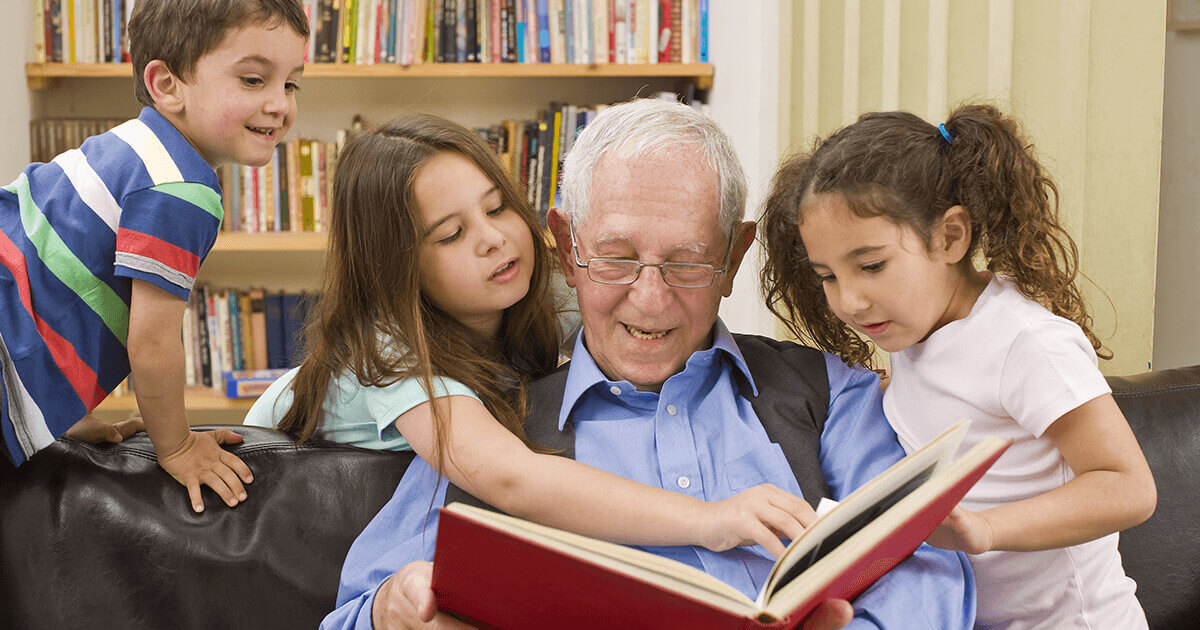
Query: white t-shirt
point(1013, 368)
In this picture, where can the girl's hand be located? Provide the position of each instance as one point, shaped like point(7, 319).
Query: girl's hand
point(758, 516)
point(963, 530)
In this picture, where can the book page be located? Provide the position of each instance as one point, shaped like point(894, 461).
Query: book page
point(861, 507)
point(912, 518)
point(644, 565)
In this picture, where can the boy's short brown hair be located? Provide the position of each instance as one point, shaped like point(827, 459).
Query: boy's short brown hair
point(180, 32)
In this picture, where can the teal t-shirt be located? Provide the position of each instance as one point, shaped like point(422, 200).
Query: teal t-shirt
point(354, 414)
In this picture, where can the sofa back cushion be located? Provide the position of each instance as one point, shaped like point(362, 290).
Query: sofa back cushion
point(96, 536)
point(1163, 554)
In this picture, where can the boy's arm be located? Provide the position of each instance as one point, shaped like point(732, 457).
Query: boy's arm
point(488, 461)
point(157, 363)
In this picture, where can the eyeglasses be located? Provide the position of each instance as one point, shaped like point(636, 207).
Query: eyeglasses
point(625, 271)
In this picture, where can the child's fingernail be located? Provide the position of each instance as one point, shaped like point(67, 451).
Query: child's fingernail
point(242, 497)
point(198, 507)
point(249, 478)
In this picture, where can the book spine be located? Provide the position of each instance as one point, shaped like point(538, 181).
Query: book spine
point(295, 202)
point(105, 24)
point(39, 31)
point(258, 329)
point(234, 328)
point(543, 29)
point(395, 15)
point(245, 332)
point(204, 345)
point(703, 37)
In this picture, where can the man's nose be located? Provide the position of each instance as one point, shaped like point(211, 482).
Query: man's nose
point(649, 289)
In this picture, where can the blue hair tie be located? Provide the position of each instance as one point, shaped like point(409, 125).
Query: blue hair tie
point(945, 134)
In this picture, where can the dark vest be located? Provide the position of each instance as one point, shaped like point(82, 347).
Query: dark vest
point(792, 402)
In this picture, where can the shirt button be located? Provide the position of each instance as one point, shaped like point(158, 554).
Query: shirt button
point(615, 390)
point(671, 410)
point(683, 482)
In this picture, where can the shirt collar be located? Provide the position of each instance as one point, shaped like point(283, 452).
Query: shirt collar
point(583, 373)
point(192, 165)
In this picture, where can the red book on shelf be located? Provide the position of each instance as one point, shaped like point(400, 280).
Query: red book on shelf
point(497, 571)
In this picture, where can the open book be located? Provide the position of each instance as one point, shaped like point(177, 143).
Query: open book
point(497, 571)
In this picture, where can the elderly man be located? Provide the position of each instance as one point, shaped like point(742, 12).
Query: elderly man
point(650, 234)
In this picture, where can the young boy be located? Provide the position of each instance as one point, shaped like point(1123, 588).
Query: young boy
point(99, 248)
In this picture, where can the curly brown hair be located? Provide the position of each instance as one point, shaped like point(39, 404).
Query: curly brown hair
point(897, 166)
point(372, 303)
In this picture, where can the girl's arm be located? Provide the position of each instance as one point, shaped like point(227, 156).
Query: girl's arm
point(491, 463)
point(1112, 490)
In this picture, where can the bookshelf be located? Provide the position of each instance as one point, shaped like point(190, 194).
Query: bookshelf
point(332, 94)
point(42, 75)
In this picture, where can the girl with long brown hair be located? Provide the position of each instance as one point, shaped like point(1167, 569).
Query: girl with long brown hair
point(874, 232)
point(437, 311)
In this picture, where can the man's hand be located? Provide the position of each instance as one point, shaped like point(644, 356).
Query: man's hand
point(199, 459)
point(761, 515)
point(405, 601)
point(963, 530)
point(92, 429)
point(830, 615)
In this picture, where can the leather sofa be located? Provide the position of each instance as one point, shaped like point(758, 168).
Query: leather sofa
point(97, 536)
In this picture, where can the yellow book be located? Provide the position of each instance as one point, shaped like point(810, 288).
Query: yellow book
point(554, 158)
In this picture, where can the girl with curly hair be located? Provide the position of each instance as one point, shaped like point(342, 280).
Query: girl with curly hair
point(876, 233)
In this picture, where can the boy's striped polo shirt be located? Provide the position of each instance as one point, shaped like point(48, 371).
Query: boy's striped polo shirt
point(137, 202)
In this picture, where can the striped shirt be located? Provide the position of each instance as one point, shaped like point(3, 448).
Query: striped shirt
point(137, 202)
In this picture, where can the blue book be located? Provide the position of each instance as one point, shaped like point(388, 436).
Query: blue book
point(543, 16)
point(521, 25)
point(295, 315)
point(703, 31)
point(394, 7)
point(273, 313)
point(235, 329)
point(249, 383)
point(117, 15)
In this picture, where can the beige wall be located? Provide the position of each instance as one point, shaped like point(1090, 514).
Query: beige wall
point(1085, 77)
point(1176, 339)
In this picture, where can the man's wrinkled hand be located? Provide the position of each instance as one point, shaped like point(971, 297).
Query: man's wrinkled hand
point(406, 601)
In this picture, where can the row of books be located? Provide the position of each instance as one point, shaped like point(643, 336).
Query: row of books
point(532, 151)
point(291, 193)
point(406, 32)
point(508, 31)
point(81, 31)
point(50, 136)
point(237, 330)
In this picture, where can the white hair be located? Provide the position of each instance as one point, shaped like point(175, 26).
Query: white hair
point(642, 127)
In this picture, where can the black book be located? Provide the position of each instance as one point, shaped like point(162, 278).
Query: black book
point(472, 31)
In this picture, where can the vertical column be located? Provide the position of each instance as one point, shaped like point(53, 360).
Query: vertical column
point(851, 32)
point(1000, 49)
point(939, 34)
point(891, 55)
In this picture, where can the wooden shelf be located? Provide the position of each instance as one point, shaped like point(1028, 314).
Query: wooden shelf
point(40, 75)
point(250, 242)
point(194, 398)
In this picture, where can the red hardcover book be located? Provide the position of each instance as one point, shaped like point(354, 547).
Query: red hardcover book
point(497, 571)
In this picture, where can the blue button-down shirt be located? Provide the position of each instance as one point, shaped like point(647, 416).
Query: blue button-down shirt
point(700, 437)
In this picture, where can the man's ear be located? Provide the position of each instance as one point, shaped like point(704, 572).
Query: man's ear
point(164, 87)
point(560, 227)
point(743, 238)
point(953, 236)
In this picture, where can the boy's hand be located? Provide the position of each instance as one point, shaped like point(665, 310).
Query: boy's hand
point(201, 460)
point(91, 429)
point(963, 530)
point(761, 515)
